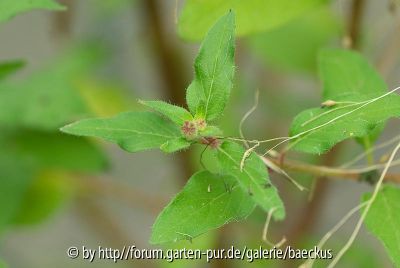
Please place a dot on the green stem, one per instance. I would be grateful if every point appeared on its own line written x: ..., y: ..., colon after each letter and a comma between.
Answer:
x: 368, y: 151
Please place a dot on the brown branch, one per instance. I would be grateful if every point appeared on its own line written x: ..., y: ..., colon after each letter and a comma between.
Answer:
x: 324, y: 171
x: 354, y: 24
x: 171, y: 64
x: 62, y: 21
x: 171, y: 67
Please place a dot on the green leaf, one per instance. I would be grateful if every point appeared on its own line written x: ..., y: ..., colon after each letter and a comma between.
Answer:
x: 214, y: 66
x: 132, y: 131
x: 252, y: 15
x: 311, y: 32
x: 9, y: 67
x: 3, y: 264
x: 175, y: 113
x: 208, y: 201
x: 383, y: 220
x: 347, y: 77
x: 10, y: 8
x: 253, y: 178
x: 174, y: 145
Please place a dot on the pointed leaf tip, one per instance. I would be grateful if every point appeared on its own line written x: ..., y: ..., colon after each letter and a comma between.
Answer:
x: 214, y: 66
x: 133, y: 131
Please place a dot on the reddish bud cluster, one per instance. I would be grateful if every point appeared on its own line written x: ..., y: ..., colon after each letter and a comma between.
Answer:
x: 210, y: 141
x: 189, y: 129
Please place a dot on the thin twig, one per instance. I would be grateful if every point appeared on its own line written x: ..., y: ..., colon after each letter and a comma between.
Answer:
x: 373, y: 167
x: 247, y: 114
x: 278, y: 170
x: 250, y: 141
x: 265, y: 231
x: 309, y: 263
x: 330, y: 111
x: 246, y: 155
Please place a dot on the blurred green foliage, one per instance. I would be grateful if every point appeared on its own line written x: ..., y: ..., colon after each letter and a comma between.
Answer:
x: 9, y: 67
x: 41, y: 163
x: 45, y: 194
x: 252, y: 15
x: 294, y: 46
x: 59, y: 153
x: 53, y: 99
x: 16, y: 176
x: 104, y: 98
x: 10, y: 8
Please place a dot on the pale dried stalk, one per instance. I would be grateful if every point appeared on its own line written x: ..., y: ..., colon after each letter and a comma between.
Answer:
x: 365, y: 212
